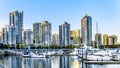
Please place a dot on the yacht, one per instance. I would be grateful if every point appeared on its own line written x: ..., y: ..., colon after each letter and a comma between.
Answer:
x: 26, y: 54
x: 115, y: 57
x: 38, y: 55
x: 100, y: 55
x: 97, y: 58
x: 74, y: 52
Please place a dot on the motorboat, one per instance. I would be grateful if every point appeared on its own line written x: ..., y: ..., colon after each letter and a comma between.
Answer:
x: 26, y: 54
x: 115, y: 57
x: 39, y: 55
x: 97, y: 58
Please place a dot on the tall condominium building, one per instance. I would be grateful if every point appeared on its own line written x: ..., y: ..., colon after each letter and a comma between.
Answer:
x: 42, y: 33
x: 46, y: 33
x: 16, y: 19
x: 27, y: 37
x: 0, y: 37
x: 36, y: 33
x: 55, y: 39
x: 112, y: 40
x: 75, y: 37
x: 12, y: 35
x: 86, y: 29
x: 115, y: 41
x: 105, y: 39
x: 98, y: 39
x: 64, y: 34
x: 6, y: 34
x: 3, y: 35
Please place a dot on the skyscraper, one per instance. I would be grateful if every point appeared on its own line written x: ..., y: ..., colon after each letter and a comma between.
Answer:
x: 105, y: 39
x: 42, y: 33
x: 55, y: 39
x: 6, y: 34
x: 64, y: 34
x: 115, y: 39
x: 12, y: 35
x: 98, y: 39
x: 27, y: 36
x: 46, y: 33
x: 75, y: 36
x: 36, y: 33
x: 16, y: 19
x: 0, y: 37
x: 112, y: 40
x: 86, y: 29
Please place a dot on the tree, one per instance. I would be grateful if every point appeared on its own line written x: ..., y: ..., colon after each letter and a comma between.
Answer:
x: 18, y: 46
x: 54, y: 46
x: 21, y: 46
x: 101, y: 46
x: 8, y: 45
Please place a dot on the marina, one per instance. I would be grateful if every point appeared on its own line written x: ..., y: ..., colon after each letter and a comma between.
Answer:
x: 57, y: 59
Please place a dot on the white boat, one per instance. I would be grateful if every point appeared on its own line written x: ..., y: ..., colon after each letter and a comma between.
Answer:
x: 39, y: 55
x: 74, y: 52
x: 26, y: 54
x: 104, y: 53
x: 97, y: 58
x: 92, y: 58
x: 115, y: 57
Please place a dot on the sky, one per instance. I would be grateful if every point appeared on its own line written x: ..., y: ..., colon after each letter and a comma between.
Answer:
x: 105, y: 12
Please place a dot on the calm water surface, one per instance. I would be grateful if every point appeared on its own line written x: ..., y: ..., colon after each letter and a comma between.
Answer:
x: 52, y: 62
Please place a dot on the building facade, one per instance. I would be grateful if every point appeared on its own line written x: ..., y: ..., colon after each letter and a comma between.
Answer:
x: 64, y: 34
x: 55, y: 39
x: 115, y: 39
x: 98, y: 39
x: 75, y: 37
x: 36, y: 33
x: 46, y: 33
x: 27, y: 36
x: 112, y: 40
x: 42, y: 33
x: 6, y: 34
x: 86, y: 29
x: 12, y: 35
x: 16, y: 20
x: 105, y: 39
x: 0, y: 37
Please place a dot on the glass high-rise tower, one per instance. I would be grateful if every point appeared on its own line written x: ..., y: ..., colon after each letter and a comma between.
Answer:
x: 16, y: 20
x: 86, y: 30
x: 42, y: 33
x: 27, y: 37
x: 36, y: 33
x: 46, y: 30
x: 64, y: 34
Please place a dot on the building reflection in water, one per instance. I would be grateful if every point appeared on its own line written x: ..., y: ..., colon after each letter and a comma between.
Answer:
x: 51, y: 62
x: 26, y: 63
x: 54, y: 62
x: 74, y: 64
x: 64, y: 62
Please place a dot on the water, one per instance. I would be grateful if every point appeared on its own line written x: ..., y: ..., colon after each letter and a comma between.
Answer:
x: 52, y: 62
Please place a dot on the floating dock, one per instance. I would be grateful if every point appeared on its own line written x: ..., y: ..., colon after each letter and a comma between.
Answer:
x: 102, y: 62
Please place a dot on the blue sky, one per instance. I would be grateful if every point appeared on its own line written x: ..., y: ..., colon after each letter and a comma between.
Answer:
x: 105, y: 12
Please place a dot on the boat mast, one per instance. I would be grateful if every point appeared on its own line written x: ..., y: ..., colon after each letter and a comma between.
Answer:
x: 97, y: 34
